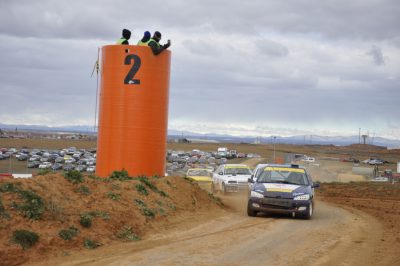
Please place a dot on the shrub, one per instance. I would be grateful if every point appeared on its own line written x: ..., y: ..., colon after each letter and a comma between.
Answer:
x: 68, y: 234
x: 140, y: 202
x: 162, y: 193
x: 147, y: 182
x: 141, y: 189
x: 33, y: 206
x: 90, y: 244
x: 148, y: 212
x: 120, y: 175
x: 171, y: 206
x: 25, y: 238
x: 113, y: 196
x: 8, y: 187
x: 3, y: 213
x: 84, y: 190
x: 86, y: 220
x: 43, y: 171
x: 74, y: 176
x: 145, y: 211
x: 126, y: 233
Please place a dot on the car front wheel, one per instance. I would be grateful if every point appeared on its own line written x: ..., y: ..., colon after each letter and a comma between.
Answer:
x: 310, y: 211
x: 250, y: 211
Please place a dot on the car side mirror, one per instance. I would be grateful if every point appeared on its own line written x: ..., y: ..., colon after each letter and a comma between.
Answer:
x: 316, y: 185
x: 250, y: 180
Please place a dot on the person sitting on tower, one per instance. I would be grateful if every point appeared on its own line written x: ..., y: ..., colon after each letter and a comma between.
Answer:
x: 126, y: 35
x: 145, y: 40
x: 154, y: 44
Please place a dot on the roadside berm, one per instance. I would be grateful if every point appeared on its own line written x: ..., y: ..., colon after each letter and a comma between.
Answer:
x: 56, y: 214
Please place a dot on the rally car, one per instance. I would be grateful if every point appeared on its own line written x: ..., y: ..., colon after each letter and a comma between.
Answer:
x: 282, y: 189
x: 231, y: 178
x: 201, y: 176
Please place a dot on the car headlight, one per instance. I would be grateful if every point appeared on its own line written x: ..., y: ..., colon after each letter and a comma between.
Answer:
x: 254, y: 194
x: 302, y: 197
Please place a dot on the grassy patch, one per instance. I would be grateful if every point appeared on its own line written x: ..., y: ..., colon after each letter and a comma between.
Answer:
x: 43, y: 171
x: 150, y: 185
x: 144, y: 209
x: 68, y: 234
x: 120, y: 175
x: 171, y: 206
x: 33, y: 205
x: 56, y: 212
x: 86, y: 220
x: 90, y: 244
x: 142, y: 189
x: 3, y: 213
x: 25, y: 238
x: 113, y: 196
x: 8, y: 187
x: 84, y: 190
x: 126, y: 233
x: 74, y: 176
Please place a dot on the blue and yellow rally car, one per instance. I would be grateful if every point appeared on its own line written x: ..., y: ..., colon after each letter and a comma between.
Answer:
x: 281, y: 188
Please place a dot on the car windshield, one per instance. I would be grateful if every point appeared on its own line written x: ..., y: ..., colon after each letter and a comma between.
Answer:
x: 282, y: 175
x: 237, y: 171
x: 198, y: 172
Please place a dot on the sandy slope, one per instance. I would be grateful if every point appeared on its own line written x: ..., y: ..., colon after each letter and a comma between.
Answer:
x: 334, y: 237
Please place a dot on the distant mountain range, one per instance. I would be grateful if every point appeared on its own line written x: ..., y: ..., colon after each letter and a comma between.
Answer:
x: 172, y: 133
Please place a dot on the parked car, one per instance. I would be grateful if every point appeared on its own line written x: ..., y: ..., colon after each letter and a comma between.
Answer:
x: 231, y: 178
x: 282, y: 189
x: 80, y: 168
x: 376, y: 162
x: 91, y: 169
x: 22, y: 157
x: 45, y: 165
x: 34, y: 158
x: 308, y: 159
x: 33, y: 164
x: 59, y: 160
x: 69, y: 167
x: 56, y: 166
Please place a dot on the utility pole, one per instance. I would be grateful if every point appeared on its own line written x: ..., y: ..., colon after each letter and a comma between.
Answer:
x: 274, y: 147
x: 359, y: 135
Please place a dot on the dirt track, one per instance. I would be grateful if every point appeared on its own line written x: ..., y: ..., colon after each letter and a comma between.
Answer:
x: 333, y: 237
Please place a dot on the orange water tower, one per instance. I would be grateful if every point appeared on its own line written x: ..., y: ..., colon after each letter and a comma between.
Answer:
x: 133, y: 111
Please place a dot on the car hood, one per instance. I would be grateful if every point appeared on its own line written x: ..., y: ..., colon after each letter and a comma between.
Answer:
x: 278, y: 190
x: 200, y: 178
x: 238, y: 178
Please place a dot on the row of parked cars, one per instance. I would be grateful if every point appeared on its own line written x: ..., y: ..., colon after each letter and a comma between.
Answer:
x: 64, y: 159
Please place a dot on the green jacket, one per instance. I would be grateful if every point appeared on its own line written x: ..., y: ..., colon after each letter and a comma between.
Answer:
x: 122, y: 41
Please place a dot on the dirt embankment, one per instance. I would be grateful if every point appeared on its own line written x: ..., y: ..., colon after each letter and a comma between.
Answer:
x: 118, y: 210
x: 380, y: 200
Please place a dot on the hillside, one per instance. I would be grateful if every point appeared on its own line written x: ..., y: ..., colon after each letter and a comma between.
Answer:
x: 118, y: 210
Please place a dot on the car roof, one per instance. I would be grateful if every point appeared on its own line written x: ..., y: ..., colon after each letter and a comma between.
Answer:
x: 284, y: 166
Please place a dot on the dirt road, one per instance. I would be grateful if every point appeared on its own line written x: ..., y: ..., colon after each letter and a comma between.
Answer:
x: 333, y: 237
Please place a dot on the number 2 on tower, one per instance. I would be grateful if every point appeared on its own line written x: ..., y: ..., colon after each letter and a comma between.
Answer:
x: 129, y: 78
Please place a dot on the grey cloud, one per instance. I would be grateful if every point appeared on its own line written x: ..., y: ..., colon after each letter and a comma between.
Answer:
x: 287, y: 64
x: 271, y: 48
x: 377, y: 55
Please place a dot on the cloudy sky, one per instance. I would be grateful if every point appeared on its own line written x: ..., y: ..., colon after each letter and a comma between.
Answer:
x: 257, y: 67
